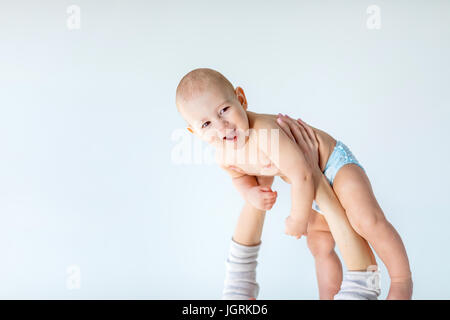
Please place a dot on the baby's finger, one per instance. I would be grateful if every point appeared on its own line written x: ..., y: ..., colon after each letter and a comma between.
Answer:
x: 268, y: 206
x: 269, y: 203
x: 270, y: 200
x: 268, y: 195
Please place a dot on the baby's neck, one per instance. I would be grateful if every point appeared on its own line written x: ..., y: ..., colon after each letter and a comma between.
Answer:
x: 251, y: 116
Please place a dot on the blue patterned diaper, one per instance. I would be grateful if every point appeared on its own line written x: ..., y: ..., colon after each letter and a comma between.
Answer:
x: 340, y: 156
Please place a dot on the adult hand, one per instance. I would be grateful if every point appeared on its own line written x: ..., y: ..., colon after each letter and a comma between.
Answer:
x: 305, y: 137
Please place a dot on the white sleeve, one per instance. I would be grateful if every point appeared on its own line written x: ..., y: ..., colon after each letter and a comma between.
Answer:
x: 240, y: 279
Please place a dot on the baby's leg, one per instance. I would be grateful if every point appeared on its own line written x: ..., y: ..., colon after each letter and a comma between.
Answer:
x: 328, y: 266
x: 365, y: 215
x: 359, y: 281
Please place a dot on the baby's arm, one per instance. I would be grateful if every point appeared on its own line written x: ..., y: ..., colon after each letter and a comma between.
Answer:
x: 290, y: 160
x: 252, y: 190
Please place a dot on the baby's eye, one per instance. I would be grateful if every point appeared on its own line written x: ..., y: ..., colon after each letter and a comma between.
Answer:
x: 205, y: 124
x: 223, y: 110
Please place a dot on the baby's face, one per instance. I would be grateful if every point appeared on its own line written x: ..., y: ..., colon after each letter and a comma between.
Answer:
x: 218, y: 117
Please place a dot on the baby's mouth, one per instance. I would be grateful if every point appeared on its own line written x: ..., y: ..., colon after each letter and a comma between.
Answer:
x: 232, y: 137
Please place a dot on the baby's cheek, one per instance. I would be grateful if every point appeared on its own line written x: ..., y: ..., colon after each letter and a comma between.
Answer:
x: 209, y: 137
x: 212, y: 141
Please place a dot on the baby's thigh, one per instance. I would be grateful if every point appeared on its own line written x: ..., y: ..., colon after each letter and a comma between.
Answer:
x: 354, y: 191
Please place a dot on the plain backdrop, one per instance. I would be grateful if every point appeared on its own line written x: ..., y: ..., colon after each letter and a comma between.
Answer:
x: 87, y: 116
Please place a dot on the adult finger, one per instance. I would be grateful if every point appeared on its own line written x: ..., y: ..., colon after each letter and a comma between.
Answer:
x: 298, y: 131
x: 286, y: 128
x: 307, y: 135
x: 311, y: 133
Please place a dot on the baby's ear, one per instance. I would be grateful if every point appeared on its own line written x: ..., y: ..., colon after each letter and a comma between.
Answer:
x: 241, y: 97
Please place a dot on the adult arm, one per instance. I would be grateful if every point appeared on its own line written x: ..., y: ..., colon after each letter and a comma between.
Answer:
x: 355, y: 251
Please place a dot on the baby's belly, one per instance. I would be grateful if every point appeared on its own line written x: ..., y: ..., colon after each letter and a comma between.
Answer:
x: 266, y: 169
x: 260, y: 166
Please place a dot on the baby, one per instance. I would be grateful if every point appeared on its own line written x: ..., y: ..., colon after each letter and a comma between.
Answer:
x: 250, y: 146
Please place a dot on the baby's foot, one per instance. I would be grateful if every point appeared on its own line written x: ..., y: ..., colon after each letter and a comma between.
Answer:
x: 401, y: 290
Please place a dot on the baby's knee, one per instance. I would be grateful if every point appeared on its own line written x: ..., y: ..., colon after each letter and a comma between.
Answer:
x: 366, y: 222
x: 320, y: 243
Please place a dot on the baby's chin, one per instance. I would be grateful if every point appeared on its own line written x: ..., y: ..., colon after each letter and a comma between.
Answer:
x: 242, y: 137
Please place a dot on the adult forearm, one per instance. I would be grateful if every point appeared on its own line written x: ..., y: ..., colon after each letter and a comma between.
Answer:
x: 240, y: 277
x: 249, y: 227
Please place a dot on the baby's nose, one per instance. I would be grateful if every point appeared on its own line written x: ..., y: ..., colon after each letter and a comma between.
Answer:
x: 224, y: 129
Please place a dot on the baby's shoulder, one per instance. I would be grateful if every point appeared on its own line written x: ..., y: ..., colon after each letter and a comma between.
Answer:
x: 261, y: 125
x: 262, y: 121
x: 264, y: 129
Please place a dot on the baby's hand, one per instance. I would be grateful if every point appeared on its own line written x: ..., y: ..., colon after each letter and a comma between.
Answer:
x: 262, y: 198
x: 296, y: 227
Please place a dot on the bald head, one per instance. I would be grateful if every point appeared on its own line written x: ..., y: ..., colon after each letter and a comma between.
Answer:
x: 212, y: 107
x: 199, y: 80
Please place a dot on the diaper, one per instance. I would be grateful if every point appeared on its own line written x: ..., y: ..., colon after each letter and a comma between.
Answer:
x: 340, y: 156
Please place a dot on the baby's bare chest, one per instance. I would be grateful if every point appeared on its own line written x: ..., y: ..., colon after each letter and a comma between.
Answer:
x: 251, y: 160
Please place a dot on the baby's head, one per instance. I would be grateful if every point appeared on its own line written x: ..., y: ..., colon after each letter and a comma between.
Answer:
x: 213, y: 109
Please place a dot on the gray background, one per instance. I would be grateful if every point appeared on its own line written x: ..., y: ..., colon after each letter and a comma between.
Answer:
x: 87, y: 116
